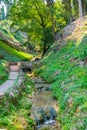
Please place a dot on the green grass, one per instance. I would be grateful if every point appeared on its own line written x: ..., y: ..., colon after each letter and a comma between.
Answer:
x: 11, y: 51
x: 15, y: 112
x: 68, y: 80
x: 6, y: 49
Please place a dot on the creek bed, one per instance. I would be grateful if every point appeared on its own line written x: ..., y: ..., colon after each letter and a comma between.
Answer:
x: 44, y: 106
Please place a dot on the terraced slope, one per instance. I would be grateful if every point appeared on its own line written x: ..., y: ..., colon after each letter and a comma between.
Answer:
x: 65, y: 67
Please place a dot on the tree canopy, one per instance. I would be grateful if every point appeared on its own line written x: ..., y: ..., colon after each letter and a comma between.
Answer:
x: 41, y: 20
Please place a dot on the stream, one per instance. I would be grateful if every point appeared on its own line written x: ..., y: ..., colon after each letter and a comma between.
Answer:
x: 44, y: 107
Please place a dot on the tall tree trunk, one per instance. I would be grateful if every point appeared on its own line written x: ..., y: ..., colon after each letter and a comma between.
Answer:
x: 51, y: 3
x: 80, y: 8
x: 53, y: 20
x: 44, y: 48
x: 70, y: 9
x: 44, y: 41
x: 27, y: 44
x: 84, y: 7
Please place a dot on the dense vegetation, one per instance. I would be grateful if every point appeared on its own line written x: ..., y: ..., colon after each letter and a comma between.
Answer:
x: 3, y: 71
x: 15, y: 112
x: 30, y: 28
x: 19, y: 54
x: 66, y: 70
x: 44, y: 23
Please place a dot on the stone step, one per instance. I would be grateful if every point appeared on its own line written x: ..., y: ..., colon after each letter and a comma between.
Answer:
x: 13, y: 75
x: 5, y: 86
x: 39, y: 86
x: 38, y: 80
x: 14, y: 68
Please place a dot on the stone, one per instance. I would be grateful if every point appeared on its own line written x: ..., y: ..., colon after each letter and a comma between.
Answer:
x: 1, y: 95
x: 39, y: 119
x: 70, y: 101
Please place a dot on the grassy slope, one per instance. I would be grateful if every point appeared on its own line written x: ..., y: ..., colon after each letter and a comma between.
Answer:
x: 11, y: 51
x: 6, y: 49
x: 66, y: 72
x: 7, y: 31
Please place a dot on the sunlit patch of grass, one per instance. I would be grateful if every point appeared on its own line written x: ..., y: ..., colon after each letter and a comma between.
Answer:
x: 19, y: 54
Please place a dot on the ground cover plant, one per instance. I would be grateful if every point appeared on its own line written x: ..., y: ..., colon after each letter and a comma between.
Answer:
x: 66, y: 70
x: 15, y: 112
x: 3, y: 71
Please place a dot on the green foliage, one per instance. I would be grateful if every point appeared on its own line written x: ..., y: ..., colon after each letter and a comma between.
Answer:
x: 68, y: 78
x: 5, y: 30
x: 83, y: 47
x: 3, y: 71
x: 19, y: 37
x: 17, y: 116
x: 41, y: 23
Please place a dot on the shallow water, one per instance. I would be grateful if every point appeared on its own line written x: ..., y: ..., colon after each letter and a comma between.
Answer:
x: 44, y: 107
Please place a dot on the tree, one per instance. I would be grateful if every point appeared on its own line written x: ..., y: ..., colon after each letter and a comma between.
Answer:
x: 39, y: 17
x: 5, y: 6
x: 36, y: 18
x: 80, y: 8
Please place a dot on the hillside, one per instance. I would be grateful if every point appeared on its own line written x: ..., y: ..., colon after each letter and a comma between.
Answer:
x: 10, y: 47
x: 65, y: 68
x: 7, y: 36
x: 43, y: 64
x: 8, y: 52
